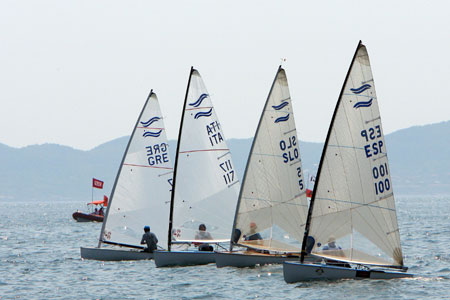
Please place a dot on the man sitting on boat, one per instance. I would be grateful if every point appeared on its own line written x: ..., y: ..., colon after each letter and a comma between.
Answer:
x: 331, y: 245
x: 253, y: 235
x: 332, y: 248
x: 150, y: 239
x: 202, y: 234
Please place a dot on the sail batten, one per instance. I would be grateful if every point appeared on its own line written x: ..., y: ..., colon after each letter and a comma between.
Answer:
x: 353, y: 204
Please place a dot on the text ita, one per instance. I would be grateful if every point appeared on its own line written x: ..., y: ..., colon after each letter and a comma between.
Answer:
x: 214, y: 134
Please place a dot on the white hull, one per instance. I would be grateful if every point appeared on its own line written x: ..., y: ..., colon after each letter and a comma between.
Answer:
x: 295, y: 272
x: 104, y: 254
x: 182, y: 258
x: 242, y: 260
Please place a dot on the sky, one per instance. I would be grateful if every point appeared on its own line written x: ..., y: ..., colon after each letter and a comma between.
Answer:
x: 77, y: 73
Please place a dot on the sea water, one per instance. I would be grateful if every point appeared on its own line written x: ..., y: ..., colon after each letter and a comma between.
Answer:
x: 40, y: 259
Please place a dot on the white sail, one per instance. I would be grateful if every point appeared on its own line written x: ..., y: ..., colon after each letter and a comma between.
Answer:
x: 206, y: 187
x: 353, y: 200
x: 273, y: 200
x: 142, y: 191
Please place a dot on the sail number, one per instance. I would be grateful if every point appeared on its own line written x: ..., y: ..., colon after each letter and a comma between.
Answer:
x: 290, y: 149
x: 374, y: 147
x: 157, y: 154
x: 300, y: 179
x: 381, y: 184
x: 227, y: 168
x: 214, y: 134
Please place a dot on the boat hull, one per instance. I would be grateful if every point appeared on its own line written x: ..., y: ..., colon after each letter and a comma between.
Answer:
x: 82, y: 217
x: 104, y: 254
x: 295, y: 272
x: 243, y: 260
x: 182, y: 258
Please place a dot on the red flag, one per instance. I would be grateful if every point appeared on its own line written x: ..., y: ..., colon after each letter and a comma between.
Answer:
x: 308, y: 193
x: 105, y: 200
x: 97, y: 183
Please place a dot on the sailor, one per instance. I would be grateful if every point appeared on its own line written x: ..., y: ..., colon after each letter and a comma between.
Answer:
x: 337, y: 251
x: 331, y: 244
x: 253, y: 235
x: 150, y: 239
x: 202, y: 234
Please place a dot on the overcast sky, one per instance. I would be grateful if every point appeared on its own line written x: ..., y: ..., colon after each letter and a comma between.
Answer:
x: 78, y: 72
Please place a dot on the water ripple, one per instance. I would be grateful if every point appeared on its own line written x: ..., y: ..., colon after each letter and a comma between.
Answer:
x: 41, y: 259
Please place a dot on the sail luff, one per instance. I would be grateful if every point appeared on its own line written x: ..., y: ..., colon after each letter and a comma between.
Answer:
x: 248, y: 160
x: 313, y: 197
x: 172, y: 198
x: 111, y: 198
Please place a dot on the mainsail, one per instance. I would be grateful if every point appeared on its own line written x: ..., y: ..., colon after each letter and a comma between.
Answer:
x: 353, y: 205
x: 206, y: 186
x: 142, y: 190
x: 273, y: 200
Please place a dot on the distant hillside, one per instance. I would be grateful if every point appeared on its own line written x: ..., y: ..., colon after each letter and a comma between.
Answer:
x: 420, y: 164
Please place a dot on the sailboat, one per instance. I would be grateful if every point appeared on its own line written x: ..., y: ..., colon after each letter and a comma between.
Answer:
x: 141, y: 192
x: 352, y: 221
x: 205, y: 186
x: 272, y: 207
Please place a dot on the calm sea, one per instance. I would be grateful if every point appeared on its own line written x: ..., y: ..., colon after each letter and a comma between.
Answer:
x: 40, y: 259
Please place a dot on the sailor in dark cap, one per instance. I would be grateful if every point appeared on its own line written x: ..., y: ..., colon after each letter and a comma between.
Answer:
x: 150, y: 239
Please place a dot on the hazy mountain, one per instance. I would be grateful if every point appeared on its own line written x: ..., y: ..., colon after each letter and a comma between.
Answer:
x: 419, y: 159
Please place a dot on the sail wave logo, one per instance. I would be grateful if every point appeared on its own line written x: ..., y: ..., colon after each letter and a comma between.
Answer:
x: 278, y: 107
x: 151, y: 121
x: 203, y: 114
x: 152, y: 134
x: 199, y: 100
x: 282, y: 119
x: 363, y: 103
x: 361, y: 89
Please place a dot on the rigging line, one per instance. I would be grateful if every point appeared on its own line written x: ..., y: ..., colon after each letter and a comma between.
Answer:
x: 296, y: 162
x: 360, y: 95
x: 373, y: 120
x: 205, y: 150
x: 357, y: 203
x: 380, y: 157
x: 195, y: 108
x: 369, y: 80
x: 267, y: 154
x: 223, y: 155
x: 345, y: 147
x: 292, y: 130
x: 277, y: 111
x: 143, y: 166
x: 141, y: 127
x: 230, y: 185
x: 164, y: 174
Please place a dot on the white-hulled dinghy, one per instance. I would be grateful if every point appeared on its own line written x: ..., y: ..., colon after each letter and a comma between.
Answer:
x: 352, y: 220
x: 205, y: 187
x: 272, y: 208
x: 141, y: 192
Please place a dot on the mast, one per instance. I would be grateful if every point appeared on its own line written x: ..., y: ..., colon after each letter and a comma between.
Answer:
x: 111, y: 198
x: 172, y: 198
x: 248, y: 160
x: 316, y: 183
